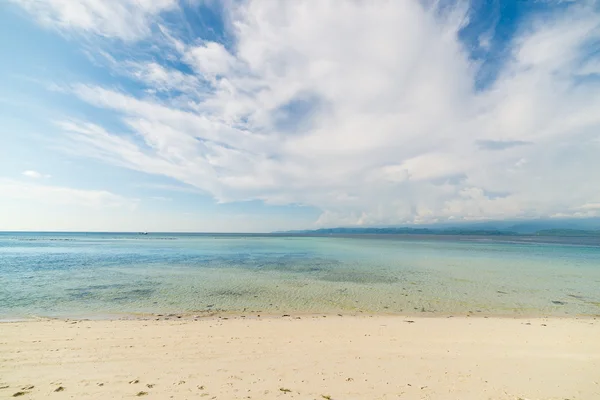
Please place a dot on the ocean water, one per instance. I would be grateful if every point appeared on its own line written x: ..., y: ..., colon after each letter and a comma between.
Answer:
x: 104, y: 274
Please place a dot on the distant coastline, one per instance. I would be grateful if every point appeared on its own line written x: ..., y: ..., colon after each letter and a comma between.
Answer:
x: 552, y: 227
x: 445, y: 232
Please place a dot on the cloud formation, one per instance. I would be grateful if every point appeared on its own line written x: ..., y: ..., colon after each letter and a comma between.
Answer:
x: 57, y: 195
x: 500, y: 144
x: 368, y: 111
x: 123, y: 19
x: 34, y: 174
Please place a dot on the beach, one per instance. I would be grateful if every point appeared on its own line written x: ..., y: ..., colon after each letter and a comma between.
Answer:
x: 302, y: 357
x: 311, y: 200
x: 182, y: 316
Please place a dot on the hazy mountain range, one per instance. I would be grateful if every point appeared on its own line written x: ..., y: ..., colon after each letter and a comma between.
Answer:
x: 539, y: 227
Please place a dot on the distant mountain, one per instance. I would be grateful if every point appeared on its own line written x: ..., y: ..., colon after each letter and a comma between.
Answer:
x: 568, y: 232
x: 405, y: 231
x: 523, y: 226
x: 541, y: 227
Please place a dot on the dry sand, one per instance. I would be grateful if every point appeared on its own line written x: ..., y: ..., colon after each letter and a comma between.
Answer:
x: 313, y: 357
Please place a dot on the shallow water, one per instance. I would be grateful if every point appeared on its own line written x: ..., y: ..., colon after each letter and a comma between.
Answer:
x: 70, y: 275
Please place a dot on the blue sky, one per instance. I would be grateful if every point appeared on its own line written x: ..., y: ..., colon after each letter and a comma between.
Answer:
x: 198, y: 115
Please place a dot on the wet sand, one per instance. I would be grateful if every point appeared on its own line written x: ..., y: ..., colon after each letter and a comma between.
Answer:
x: 308, y: 357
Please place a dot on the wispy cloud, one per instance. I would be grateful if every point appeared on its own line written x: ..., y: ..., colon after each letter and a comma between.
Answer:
x: 384, y: 93
x: 34, y: 174
x: 590, y: 206
x: 500, y: 144
x: 169, y: 188
x: 47, y: 194
x: 123, y: 19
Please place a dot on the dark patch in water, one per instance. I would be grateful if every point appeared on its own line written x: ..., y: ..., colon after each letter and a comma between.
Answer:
x: 300, y: 266
x: 560, y: 303
x: 133, y: 294
x: 79, y: 293
x: 91, y: 288
x: 108, y: 286
x: 140, y: 292
x: 97, y: 290
x: 575, y: 296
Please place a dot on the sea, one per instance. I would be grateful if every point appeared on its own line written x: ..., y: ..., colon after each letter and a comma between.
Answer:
x: 108, y: 275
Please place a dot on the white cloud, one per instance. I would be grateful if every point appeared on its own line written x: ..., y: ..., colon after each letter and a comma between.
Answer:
x: 210, y: 59
x: 590, y: 206
x: 157, y: 77
x: 485, y: 40
x: 367, y: 111
x: 58, y: 195
x: 124, y: 19
x: 34, y: 174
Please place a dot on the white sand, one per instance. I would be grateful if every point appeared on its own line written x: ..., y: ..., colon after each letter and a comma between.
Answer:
x: 342, y: 357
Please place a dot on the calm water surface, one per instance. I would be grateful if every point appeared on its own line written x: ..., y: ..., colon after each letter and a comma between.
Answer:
x: 71, y: 275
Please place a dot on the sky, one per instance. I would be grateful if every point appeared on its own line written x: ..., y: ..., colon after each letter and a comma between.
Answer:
x: 255, y: 116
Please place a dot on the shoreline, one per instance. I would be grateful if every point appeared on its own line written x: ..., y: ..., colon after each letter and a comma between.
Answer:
x: 199, y: 316
x: 348, y: 357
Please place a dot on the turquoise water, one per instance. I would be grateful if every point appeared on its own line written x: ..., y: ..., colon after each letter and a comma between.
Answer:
x: 74, y: 275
